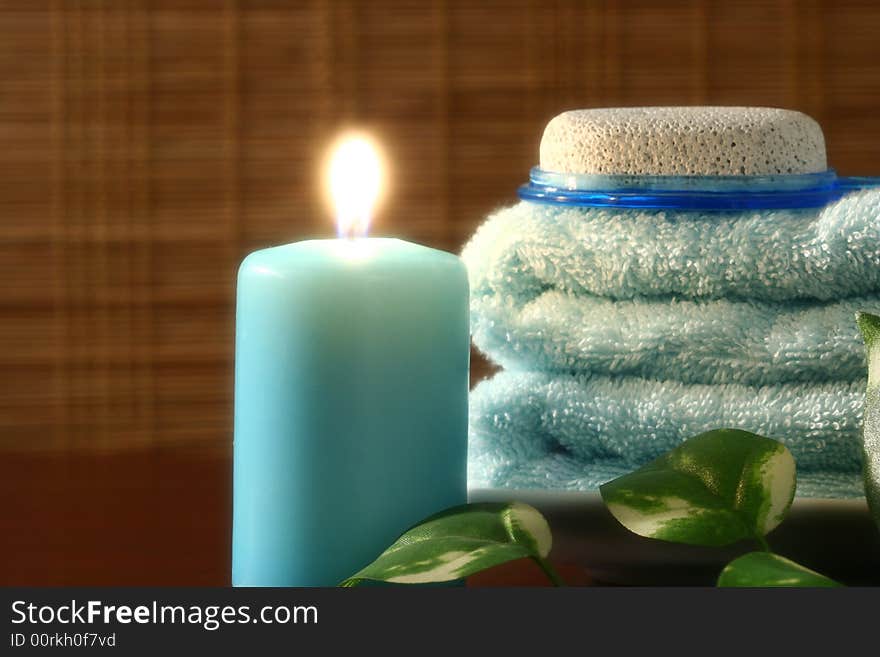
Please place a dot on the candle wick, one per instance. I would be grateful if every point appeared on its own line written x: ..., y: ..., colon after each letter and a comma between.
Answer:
x: 352, y: 227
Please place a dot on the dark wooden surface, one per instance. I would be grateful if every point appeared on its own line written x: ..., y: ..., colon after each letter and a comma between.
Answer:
x: 138, y: 518
x: 157, y: 517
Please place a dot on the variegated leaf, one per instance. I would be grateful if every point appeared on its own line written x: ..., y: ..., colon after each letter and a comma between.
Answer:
x: 714, y: 489
x: 460, y: 542
x: 765, y: 569
x: 870, y: 328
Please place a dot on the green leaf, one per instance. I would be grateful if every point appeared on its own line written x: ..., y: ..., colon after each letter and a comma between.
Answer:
x: 870, y: 328
x: 714, y: 489
x: 768, y: 569
x: 459, y: 542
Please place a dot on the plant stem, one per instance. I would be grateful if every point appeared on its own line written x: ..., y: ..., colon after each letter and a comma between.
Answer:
x: 763, y: 542
x: 551, y: 573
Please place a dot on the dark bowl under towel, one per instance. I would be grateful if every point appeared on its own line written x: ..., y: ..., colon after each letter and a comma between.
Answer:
x: 835, y: 537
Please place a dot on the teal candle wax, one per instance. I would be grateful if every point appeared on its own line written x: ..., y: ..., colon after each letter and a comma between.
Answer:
x: 351, y: 383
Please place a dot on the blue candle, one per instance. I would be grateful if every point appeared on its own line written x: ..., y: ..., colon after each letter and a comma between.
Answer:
x: 351, y: 382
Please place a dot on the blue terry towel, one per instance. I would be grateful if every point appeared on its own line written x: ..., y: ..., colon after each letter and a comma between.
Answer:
x: 770, y: 255
x: 627, y: 331
x: 558, y: 431
x: 693, y: 341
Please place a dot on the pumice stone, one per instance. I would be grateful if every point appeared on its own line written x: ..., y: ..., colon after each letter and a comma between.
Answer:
x: 683, y: 141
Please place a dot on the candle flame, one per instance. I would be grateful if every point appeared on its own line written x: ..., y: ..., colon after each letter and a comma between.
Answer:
x: 354, y: 179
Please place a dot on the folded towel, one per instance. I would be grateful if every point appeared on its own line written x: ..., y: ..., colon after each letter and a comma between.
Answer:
x: 770, y: 255
x: 624, y: 332
x: 704, y: 341
x: 576, y: 432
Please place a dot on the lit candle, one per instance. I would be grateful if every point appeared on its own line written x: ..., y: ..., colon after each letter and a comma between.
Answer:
x: 351, y: 381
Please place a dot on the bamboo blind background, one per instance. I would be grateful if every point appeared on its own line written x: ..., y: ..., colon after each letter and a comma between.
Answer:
x: 146, y: 146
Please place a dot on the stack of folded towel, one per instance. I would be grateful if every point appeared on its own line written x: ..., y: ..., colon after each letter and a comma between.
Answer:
x: 622, y: 332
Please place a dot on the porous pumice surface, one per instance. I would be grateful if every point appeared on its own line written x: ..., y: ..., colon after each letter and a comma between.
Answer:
x: 683, y: 141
